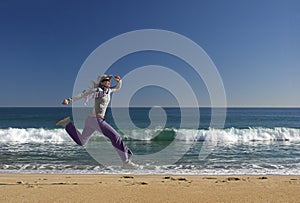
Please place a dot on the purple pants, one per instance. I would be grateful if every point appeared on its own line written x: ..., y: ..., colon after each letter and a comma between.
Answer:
x: 91, y: 125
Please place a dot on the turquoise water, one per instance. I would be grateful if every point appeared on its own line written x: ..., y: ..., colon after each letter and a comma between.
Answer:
x: 253, y: 141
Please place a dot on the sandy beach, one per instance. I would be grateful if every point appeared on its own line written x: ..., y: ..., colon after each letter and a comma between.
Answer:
x: 147, y: 188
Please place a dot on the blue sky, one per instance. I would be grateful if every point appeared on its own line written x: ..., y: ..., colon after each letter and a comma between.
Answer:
x: 255, y: 46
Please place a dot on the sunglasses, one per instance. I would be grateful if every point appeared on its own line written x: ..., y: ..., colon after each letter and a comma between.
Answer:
x: 106, y: 80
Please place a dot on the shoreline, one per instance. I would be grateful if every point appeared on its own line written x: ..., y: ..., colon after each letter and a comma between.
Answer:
x: 148, y: 188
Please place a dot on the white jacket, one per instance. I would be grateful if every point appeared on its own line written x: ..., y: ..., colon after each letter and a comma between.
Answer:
x: 102, y: 99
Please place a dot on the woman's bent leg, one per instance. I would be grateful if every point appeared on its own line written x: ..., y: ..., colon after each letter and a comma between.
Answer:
x: 81, y: 139
x: 74, y: 133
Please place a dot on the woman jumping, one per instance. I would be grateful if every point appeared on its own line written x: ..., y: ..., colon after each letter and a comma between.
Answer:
x: 96, y: 121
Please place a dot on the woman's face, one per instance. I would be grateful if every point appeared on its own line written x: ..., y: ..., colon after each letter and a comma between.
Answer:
x: 106, y: 83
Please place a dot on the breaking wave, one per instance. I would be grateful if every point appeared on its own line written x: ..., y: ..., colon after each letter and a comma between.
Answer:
x: 41, y: 135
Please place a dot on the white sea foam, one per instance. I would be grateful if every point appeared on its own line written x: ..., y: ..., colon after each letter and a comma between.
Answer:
x: 33, y: 135
x: 248, y: 135
x: 41, y: 135
x: 145, y: 169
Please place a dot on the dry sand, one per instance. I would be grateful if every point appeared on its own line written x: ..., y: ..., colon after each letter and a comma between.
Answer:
x: 147, y: 188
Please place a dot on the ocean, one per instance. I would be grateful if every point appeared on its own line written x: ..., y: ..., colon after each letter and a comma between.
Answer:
x: 252, y: 141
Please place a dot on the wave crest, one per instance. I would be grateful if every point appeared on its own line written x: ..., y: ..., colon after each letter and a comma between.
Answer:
x: 41, y: 135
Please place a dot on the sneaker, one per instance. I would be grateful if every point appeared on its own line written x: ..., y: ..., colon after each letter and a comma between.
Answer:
x: 130, y: 165
x: 64, y: 122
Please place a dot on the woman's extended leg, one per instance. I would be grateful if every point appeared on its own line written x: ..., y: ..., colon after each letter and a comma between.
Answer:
x: 116, y: 140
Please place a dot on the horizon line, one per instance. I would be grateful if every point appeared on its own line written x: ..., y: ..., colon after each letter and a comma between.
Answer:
x: 153, y: 107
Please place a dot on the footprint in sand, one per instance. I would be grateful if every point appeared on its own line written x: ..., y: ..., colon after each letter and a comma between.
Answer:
x: 233, y: 179
x: 180, y: 179
x: 134, y: 182
x: 262, y: 178
x: 140, y: 183
x: 229, y: 179
x: 128, y: 177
